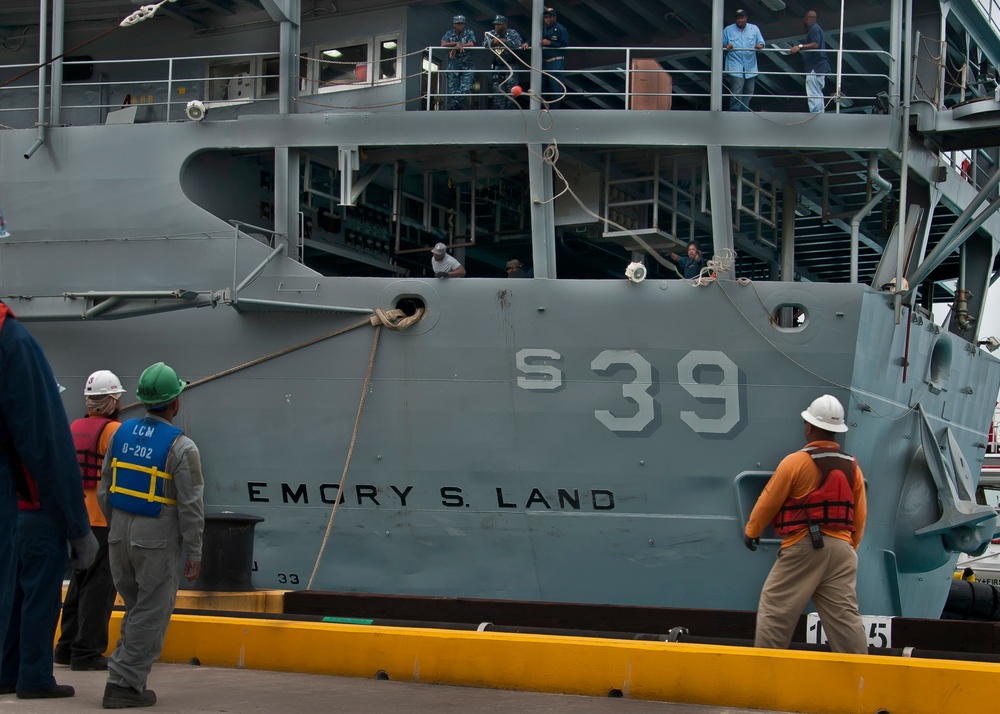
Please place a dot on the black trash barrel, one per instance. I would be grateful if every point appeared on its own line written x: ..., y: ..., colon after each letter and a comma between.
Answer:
x: 227, y: 553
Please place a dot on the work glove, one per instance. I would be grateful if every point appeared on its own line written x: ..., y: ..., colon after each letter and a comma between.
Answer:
x: 750, y: 543
x: 83, y: 552
x: 440, y: 276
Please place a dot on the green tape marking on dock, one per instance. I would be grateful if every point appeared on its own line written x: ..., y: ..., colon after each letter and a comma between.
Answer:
x: 348, y: 620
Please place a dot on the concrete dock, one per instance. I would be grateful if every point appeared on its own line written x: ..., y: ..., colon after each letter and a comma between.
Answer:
x: 184, y: 689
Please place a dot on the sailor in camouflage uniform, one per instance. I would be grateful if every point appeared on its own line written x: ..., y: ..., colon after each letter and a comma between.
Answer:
x: 502, y: 40
x: 460, y: 62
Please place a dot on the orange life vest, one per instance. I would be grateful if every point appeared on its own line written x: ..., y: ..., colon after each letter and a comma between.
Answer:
x: 831, y: 503
x: 86, y: 435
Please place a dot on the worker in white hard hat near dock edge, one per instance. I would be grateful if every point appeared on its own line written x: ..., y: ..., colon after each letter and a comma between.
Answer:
x: 83, y: 633
x: 816, y: 501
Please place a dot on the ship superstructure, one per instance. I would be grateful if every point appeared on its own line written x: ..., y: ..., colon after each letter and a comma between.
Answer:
x: 248, y: 190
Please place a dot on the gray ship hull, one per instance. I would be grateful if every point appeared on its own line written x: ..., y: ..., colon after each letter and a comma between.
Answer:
x: 580, y: 441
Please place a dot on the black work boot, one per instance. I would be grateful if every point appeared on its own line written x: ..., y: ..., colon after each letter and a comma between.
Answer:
x: 118, y: 696
x: 57, y: 692
x: 89, y: 664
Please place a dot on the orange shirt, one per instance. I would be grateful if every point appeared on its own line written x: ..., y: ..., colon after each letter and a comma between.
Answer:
x: 795, y: 477
x: 97, y: 519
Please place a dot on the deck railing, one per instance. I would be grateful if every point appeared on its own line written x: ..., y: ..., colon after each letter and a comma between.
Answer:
x: 614, y: 78
x: 159, y: 89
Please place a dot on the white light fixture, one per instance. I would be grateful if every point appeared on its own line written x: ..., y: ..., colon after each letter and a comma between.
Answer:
x: 333, y: 53
x: 429, y: 66
x: 635, y: 272
x: 389, y: 45
x: 775, y: 5
x: 195, y: 110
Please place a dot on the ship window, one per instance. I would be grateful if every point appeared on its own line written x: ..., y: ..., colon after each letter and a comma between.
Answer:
x: 270, y: 68
x: 790, y: 317
x: 231, y: 81
x: 388, y: 57
x: 358, y: 63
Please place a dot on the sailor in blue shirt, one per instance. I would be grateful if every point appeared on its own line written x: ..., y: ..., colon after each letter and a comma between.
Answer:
x: 814, y: 62
x: 555, y: 39
x: 460, y: 63
x: 503, y: 40
x: 741, y: 40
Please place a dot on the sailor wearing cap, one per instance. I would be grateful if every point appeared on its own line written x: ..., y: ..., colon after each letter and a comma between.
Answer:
x: 741, y: 40
x: 555, y: 39
x: 460, y: 64
x: 502, y: 40
x: 444, y: 265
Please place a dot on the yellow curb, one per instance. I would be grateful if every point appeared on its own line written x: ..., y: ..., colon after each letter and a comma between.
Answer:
x: 808, y: 682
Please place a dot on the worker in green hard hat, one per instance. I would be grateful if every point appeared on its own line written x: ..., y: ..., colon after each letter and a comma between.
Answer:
x: 152, y: 493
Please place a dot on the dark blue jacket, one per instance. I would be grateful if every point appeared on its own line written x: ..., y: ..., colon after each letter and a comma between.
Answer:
x: 558, y: 39
x: 34, y: 430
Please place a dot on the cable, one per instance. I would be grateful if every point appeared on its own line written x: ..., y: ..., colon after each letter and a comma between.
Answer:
x: 20, y: 43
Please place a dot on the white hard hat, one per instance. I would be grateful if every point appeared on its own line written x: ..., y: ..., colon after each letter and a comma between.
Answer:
x: 826, y: 413
x: 103, y: 382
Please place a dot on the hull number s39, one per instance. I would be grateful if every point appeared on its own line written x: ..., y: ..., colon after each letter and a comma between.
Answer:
x: 709, y: 376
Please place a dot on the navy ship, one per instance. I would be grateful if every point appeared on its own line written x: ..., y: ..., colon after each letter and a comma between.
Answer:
x: 251, y: 190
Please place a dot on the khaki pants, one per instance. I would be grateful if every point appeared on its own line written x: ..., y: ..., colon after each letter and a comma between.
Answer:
x: 829, y: 576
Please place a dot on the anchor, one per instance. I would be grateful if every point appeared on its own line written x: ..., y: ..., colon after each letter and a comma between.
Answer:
x: 964, y: 525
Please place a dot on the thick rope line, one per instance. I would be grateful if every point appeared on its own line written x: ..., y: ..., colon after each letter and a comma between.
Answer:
x: 347, y: 461
x: 266, y: 358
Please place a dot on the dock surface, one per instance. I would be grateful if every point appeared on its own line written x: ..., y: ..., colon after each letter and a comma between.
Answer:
x: 183, y: 689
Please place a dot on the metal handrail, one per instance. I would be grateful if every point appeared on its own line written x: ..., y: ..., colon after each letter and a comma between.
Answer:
x: 178, y: 75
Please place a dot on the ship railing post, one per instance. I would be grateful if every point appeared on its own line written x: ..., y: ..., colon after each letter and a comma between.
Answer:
x: 840, y: 55
x: 58, y: 37
x: 718, y: 13
x: 170, y: 84
x: 895, y: 50
x: 236, y: 258
x: 43, y: 49
x: 537, y: 6
x: 628, y: 78
x: 430, y: 75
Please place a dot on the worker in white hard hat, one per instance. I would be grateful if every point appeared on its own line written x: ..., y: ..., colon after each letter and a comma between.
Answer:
x: 816, y: 502
x: 83, y: 637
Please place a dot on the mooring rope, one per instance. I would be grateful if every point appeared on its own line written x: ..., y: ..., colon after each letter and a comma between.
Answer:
x: 394, y: 320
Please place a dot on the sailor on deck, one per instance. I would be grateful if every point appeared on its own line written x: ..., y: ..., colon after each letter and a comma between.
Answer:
x: 151, y: 492
x: 445, y: 265
x: 816, y: 500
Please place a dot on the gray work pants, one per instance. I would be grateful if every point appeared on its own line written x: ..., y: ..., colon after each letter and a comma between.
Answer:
x: 145, y: 563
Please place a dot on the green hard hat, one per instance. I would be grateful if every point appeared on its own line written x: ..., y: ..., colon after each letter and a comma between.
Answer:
x: 159, y: 383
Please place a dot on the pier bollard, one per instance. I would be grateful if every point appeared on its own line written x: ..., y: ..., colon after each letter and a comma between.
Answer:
x: 227, y: 553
